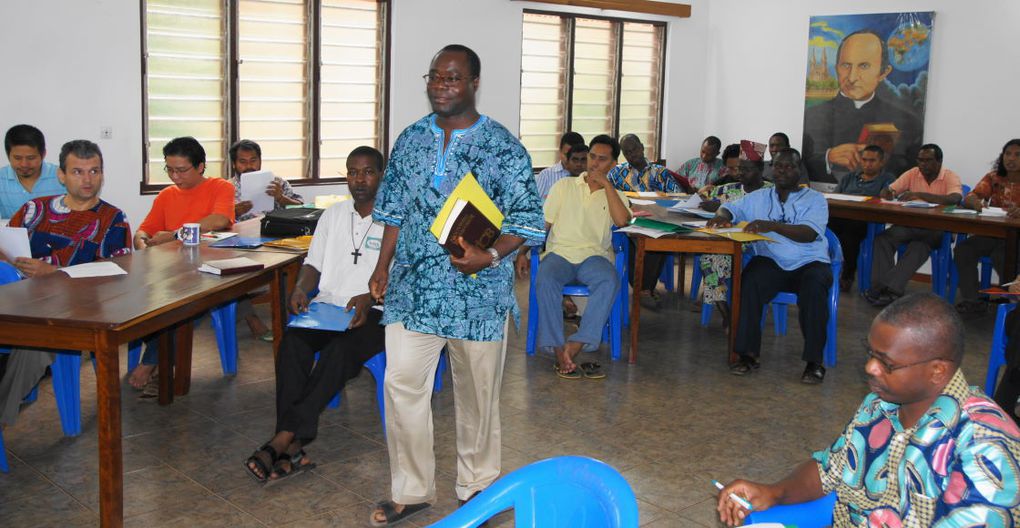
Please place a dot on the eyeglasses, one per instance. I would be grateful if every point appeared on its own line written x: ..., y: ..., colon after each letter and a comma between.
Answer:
x: 888, y: 367
x: 177, y: 170
x: 434, y: 78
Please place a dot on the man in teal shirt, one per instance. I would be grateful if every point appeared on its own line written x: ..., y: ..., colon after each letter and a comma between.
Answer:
x: 27, y: 176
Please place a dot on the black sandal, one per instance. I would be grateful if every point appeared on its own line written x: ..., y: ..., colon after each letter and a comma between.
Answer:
x: 392, y: 516
x: 296, y: 467
x: 260, y: 465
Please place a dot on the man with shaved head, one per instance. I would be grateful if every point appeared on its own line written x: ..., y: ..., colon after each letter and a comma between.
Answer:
x: 924, y: 449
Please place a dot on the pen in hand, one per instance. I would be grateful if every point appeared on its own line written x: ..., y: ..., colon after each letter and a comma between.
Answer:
x: 739, y: 500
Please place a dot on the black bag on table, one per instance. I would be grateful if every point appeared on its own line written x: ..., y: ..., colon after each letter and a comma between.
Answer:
x: 290, y: 222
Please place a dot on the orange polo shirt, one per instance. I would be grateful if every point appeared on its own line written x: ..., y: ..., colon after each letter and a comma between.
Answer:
x: 947, y: 182
x: 175, y: 207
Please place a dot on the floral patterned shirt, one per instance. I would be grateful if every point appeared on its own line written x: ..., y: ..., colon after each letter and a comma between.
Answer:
x: 654, y: 177
x: 732, y: 191
x: 957, y: 467
x: 700, y: 173
x: 998, y: 190
x: 425, y: 292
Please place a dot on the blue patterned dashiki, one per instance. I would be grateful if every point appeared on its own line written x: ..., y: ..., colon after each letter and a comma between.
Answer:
x: 957, y: 467
x: 425, y: 292
x: 626, y: 177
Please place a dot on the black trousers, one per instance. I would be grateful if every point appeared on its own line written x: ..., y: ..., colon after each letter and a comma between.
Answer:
x: 651, y: 270
x: 850, y: 233
x: 304, y: 387
x: 1008, y: 389
x: 761, y: 280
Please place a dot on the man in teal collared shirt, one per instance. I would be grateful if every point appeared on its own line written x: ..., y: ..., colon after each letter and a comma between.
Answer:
x: 27, y: 176
x: 797, y: 260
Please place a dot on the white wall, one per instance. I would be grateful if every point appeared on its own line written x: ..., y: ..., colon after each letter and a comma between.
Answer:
x: 758, y: 64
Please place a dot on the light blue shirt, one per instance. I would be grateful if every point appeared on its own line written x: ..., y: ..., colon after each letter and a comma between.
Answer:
x: 13, y: 195
x: 548, y: 177
x: 803, y: 207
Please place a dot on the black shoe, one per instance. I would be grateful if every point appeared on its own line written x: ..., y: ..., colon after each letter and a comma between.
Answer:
x: 813, y: 374
x: 879, y: 297
x: 744, y: 366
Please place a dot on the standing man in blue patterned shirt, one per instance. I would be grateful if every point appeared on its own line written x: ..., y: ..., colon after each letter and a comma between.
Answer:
x: 434, y: 300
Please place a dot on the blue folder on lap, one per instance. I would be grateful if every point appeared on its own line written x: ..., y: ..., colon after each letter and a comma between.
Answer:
x: 323, y: 316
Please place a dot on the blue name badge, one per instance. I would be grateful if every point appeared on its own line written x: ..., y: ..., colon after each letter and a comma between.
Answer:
x: 323, y: 316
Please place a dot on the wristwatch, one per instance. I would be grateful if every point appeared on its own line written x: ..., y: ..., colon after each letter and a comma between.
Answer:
x: 495, y: 257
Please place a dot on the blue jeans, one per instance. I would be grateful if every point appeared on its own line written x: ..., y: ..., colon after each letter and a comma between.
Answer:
x: 555, y: 272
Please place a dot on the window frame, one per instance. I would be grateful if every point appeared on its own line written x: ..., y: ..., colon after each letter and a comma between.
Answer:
x: 569, y: 85
x: 231, y: 91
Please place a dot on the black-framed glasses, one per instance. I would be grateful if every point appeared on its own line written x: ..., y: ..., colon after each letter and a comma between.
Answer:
x: 177, y: 170
x: 888, y: 367
x: 445, y: 80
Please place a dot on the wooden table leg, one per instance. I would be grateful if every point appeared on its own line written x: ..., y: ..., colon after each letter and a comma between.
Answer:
x: 736, y: 269
x: 111, y: 463
x: 635, y: 301
x: 183, y: 338
x: 1009, y: 269
x: 166, y: 370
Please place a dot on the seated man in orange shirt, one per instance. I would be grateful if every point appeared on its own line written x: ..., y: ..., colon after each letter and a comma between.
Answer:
x: 193, y: 198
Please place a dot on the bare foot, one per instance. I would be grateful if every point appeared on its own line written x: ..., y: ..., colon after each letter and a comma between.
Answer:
x: 140, y: 375
x: 563, y: 360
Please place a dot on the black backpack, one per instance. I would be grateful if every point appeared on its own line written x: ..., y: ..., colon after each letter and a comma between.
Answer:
x: 290, y: 222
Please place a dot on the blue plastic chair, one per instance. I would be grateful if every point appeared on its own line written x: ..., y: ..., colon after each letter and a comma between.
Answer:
x: 569, y: 491
x: 813, y: 514
x: 783, y: 299
x: 66, y: 369
x: 997, y: 355
x: 954, y: 275
x: 613, y: 330
x: 941, y: 261
x: 4, y: 468
x: 224, y: 323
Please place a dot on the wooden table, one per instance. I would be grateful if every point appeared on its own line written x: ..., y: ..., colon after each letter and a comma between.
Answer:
x: 934, y: 218
x: 685, y: 243
x: 162, y: 290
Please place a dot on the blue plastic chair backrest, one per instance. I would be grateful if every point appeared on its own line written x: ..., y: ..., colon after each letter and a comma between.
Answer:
x: 569, y: 491
x: 8, y: 273
x: 835, y: 248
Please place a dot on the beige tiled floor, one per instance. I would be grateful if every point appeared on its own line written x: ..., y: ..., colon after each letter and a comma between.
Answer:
x: 670, y: 424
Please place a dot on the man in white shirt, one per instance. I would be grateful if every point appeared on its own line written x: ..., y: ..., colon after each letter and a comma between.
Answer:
x: 560, y: 170
x: 342, y: 256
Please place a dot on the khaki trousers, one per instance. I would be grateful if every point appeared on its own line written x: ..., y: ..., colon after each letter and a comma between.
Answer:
x: 477, y: 368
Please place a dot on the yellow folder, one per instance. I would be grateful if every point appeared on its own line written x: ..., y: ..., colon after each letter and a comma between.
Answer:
x: 469, y: 190
x: 738, y: 236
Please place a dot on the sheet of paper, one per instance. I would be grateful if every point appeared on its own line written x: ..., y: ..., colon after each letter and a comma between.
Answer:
x: 847, y: 197
x: 960, y: 210
x: 253, y: 189
x: 218, y: 235
x: 919, y: 204
x: 653, y: 233
x: 700, y: 213
x: 697, y: 224
x: 645, y: 194
x: 691, y: 203
x: 94, y: 269
x: 14, y: 242
x: 992, y: 211
x: 638, y: 201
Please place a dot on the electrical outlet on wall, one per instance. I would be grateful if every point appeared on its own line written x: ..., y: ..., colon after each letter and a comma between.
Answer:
x: 106, y: 132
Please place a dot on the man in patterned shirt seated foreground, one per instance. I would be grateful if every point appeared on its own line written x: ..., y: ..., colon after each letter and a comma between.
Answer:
x: 924, y: 448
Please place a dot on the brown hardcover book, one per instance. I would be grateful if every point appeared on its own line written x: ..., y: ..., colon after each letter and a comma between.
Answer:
x: 230, y: 266
x: 467, y: 222
x: 884, y: 135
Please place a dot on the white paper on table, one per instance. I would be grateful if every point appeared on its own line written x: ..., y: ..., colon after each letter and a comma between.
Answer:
x: 920, y: 204
x: 729, y: 230
x: 649, y: 232
x: 960, y: 210
x: 846, y: 197
x: 638, y: 201
x: 690, y: 203
x: 647, y: 194
x: 992, y: 211
x: 94, y: 269
x: 253, y: 189
x: 14, y: 242
x: 697, y: 224
x: 700, y: 213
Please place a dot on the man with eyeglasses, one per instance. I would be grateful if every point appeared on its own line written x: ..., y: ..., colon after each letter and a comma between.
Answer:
x: 64, y: 230
x: 27, y: 176
x: 923, y: 449
x: 436, y: 300
x: 928, y: 182
x: 192, y: 198
x: 796, y: 260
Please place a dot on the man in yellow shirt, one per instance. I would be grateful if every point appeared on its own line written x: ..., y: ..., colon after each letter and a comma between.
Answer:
x: 579, y: 213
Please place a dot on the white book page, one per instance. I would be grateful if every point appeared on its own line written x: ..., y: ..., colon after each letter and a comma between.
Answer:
x: 253, y: 189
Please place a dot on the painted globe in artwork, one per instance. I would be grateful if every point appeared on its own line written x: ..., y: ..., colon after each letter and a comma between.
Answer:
x: 909, y: 46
